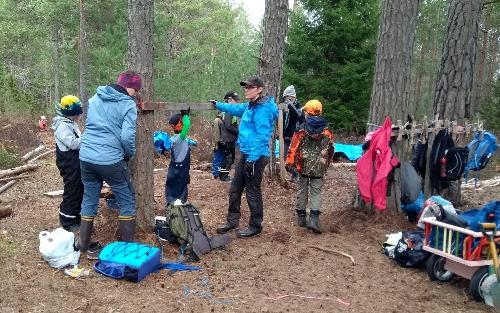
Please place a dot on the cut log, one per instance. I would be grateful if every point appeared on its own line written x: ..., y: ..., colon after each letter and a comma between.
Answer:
x: 13, y: 178
x: 18, y: 170
x: 49, y: 151
x: 7, y: 185
x: 33, y: 152
x: 5, y: 212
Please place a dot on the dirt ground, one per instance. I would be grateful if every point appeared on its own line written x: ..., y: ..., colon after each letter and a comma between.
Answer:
x: 277, y: 271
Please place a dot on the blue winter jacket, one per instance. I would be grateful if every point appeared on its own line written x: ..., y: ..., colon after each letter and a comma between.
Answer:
x: 256, y: 126
x: 109, y: 135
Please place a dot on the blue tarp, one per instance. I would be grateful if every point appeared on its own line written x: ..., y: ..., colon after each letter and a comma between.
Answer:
x: 351, y: 152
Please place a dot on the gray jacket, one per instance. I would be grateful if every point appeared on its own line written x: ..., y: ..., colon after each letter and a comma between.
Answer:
x: 229, y: 129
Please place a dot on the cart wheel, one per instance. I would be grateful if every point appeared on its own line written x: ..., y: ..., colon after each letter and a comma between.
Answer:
x: 477, y: 281
x: 435, y: 269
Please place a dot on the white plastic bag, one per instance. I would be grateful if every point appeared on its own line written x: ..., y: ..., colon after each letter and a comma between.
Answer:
x: 57, y: 248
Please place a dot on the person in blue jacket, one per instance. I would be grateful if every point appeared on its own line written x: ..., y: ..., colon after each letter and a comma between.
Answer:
x: 108, y: 142
x: 256, y: 127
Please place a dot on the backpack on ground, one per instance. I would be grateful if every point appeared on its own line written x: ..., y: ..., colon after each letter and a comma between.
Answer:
x: 481, y: 149
x: 314, y: 154
x: 409, y: 250
x: 185, y: 224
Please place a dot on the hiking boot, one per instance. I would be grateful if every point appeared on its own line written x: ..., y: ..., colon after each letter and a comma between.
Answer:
x: 226, y: 227
x: 314, y: 222
x: 249, y: 232
x: 94, y: 250
x: 127, y: 230
x: 301, y: 217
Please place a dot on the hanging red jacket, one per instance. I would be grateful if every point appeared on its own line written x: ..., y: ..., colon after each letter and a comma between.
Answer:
x: 375, y: 165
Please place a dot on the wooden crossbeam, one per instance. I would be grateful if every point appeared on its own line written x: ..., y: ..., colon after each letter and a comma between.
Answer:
x: 174, y: 106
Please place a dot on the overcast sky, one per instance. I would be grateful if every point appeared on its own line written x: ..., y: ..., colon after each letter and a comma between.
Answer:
x: 255, y: 10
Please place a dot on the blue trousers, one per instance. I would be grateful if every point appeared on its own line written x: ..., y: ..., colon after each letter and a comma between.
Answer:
x: 118, y: 178
x: 218, y: 162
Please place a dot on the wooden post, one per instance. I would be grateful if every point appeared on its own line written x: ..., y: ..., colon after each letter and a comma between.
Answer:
x: 282, y: 143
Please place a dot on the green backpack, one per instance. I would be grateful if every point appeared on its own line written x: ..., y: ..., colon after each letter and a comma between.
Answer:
x: 315, y: 154
x: 185, y: 224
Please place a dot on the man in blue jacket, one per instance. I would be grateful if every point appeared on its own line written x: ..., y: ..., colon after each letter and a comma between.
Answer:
x: 108, y: 142
x: 256, y: 127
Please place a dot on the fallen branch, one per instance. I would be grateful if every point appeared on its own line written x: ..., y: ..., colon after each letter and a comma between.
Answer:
x: 41, y: 156
x: 297, y: 296
x: 344, y: 164
x: 13, y: 178
x: 53, y: 194
x: 7, y: 185
x: 335, y: 252
x: 18, y: 170
x: 33, y: 152
x: 5, y: 212
x: 6, y: 126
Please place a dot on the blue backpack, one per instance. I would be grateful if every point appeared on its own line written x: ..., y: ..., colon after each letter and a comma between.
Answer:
x: 482, y: 147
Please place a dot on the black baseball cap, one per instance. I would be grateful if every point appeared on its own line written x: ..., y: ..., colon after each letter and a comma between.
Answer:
x: 231, y: 95
x: 252, y: 81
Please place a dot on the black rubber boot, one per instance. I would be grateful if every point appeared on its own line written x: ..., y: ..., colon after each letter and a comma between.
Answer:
x: 85, y: 233
x: 127, y: 230
x: 301, y: 217
x: 314, y: 222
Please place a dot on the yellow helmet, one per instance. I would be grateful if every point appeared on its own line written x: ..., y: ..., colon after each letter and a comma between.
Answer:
x: 313, y: 107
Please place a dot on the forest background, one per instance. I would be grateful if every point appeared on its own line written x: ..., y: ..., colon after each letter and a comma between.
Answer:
x: 204, y: 48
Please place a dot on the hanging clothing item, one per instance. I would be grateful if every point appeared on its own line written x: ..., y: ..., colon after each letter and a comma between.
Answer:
x: 375, y: 165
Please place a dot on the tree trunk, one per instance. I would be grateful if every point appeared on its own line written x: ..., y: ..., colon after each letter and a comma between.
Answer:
x: 452, y: 98
x: 420, y: 73
x: 270, y: 67
x: 140, y: 59
x: 56, y: 38
x: 82, y: 49
x: 273, y: 45
x: 392, y: 77
x: 493, y: 64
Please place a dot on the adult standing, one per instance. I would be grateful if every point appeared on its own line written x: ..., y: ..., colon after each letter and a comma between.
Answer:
x: 229, y: 135
x: 256, y: 127
x: 108, y: 142
x: 292, y: 115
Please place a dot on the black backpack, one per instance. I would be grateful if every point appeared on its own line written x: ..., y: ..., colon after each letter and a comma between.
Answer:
x: 409, y: 250
x: 447, y: 161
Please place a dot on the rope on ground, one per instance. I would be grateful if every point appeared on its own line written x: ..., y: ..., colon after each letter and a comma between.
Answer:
x: 206, y: 293
x: 334, y: 252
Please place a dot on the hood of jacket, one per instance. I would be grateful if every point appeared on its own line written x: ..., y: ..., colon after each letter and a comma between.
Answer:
x: 57, y: 120
x: 108, y: 93
x: 314, y: 125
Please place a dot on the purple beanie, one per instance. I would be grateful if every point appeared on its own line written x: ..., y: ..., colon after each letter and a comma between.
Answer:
x: 130, y: 79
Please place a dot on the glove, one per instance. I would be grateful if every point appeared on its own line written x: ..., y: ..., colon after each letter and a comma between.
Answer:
x: 249, y: 169
x: 213, y: 103
x: 186, y: 112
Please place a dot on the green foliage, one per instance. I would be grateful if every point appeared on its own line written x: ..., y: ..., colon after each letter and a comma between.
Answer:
x: 198, y: 55
x: 8, y: 158
x: 490, y: 110
x: 330, y: 56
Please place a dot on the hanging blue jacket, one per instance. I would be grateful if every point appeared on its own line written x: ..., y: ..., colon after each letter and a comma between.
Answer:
x: 109, y: 135
x: 256, y: 126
